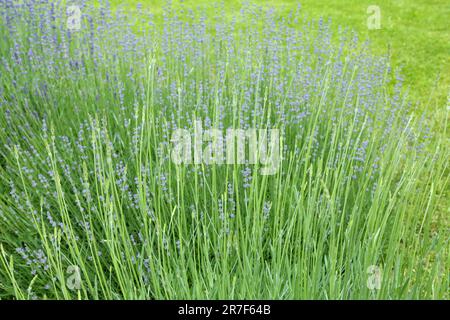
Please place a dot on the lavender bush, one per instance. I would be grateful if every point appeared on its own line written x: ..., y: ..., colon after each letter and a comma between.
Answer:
x: 93, y: 207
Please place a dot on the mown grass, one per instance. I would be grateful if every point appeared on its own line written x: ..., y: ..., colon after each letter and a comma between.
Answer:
x: 88, y: 183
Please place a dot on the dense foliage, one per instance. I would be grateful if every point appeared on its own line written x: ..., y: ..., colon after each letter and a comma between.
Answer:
x: 87, y: 179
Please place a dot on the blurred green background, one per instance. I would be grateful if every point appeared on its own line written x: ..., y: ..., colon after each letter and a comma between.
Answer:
x: 416, y: 34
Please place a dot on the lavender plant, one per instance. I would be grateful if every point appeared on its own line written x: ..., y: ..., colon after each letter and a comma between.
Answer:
x: 93, y: 207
